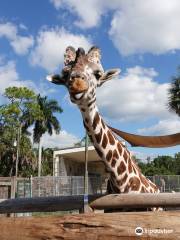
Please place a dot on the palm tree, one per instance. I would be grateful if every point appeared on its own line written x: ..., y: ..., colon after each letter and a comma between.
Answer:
x: 174, y: 94
x: 47, y: 123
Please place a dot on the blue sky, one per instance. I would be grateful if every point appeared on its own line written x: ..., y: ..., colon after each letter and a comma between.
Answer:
x: 141, y: 38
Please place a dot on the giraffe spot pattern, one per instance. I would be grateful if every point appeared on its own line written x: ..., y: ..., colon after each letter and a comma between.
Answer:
x: 111, y: 138
x: 144, y: 180
x: 130, y: 169
x: 98, y: 136
x: 134, y: 183
x: 143, y: 190
x: 119, y: 147
x: 104, y: 141
x: 123, y: 180
x: 115, y: 154
x: 86, y: 120
x: 102, y: 122
x: 96, y: 120
x: 99, y: 152
x: 134, y: 169
x: 121, y: 168
x: 83, y: 109
x: 113, y: 163
x: 125, y: 155
x: 109, y: 156
x: 93, y: 101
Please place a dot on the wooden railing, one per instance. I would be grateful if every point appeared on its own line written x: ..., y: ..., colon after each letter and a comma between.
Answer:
x: 113, y: 201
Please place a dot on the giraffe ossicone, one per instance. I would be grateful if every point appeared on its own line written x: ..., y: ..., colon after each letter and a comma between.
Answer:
x: 81, y: 77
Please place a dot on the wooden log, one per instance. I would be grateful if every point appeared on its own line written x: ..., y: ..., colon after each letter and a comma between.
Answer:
x: 109, y: 226
x: 44, y: 204
x: 133, y: 201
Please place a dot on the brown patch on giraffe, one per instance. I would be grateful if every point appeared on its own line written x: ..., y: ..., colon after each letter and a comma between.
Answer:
x: 98, y: 136
x: 125, y: 155
x: 136, y: 165
x: 102, y: 122
x: 87, y: 120
x: 130, y: 168
x: 121, y: 168
x: 123, y: 180
x: 126, y: 189
x: 104, y: 141
x: 143, y: 190
x: 113, y: 175
x: 83, y: 109
x: 151, y: 191
x: 134, y: 169
x: 115, y: 154
x: 113, y: 163
x: 110, y: 137
x: 96, y: 120
x: 99, y: 152
x: 119, y: 147
x: 134, y: 183
x: 144, y: 180
x: 109, y: 155
x: 93, y: 101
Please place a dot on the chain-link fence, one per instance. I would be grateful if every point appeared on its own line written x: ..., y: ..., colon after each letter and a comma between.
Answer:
x: 69, y: 185
x: 73, y: 185
x: 167, y: 183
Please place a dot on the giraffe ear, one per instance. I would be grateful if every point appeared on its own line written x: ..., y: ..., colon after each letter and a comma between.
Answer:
x: 94, y: 55
x: 108, y: 75
x: 56, y: 79
x: 69, y: 55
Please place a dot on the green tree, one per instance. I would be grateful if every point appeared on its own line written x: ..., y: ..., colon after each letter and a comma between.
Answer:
x: 47, y: 161
x: 174, y: 94
x: 47, y: 123
x: 12, y: 128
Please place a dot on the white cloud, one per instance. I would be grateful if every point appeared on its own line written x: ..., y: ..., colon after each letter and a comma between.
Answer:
x: 163, y: 127
x: 9, y: 77
x: 146, y: 26
x: 51, y: 44
x: 136, y: 27
x: 57, y: 3
x: 88, y: 12
x: 20, y: 44
x: 64, y: 139
x: 135, y: 96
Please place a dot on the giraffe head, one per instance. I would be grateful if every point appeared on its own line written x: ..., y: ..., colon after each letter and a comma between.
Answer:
x: 82, y: 74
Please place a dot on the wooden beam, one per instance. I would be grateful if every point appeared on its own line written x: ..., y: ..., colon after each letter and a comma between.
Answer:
x: 44, y: 204
x: 109, y: 226
x: 5, y: 184
x: 133, y: 201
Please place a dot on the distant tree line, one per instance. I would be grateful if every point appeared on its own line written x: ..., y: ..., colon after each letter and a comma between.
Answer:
x: 161, y: 165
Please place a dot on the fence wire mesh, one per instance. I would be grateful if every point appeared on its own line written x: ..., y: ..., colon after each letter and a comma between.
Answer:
x: 74, y: 185
x: 69, y: 185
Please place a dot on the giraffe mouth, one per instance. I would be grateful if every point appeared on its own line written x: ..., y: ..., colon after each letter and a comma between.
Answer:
x: 78, y: 96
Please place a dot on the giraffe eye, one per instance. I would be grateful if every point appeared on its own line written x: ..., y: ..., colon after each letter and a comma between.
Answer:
x: 97, y: 74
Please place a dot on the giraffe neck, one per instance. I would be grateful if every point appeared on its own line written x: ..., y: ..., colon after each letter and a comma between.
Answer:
x: 125, y: 175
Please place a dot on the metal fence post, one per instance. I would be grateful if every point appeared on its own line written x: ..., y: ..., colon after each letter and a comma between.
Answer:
x: 31, y: 185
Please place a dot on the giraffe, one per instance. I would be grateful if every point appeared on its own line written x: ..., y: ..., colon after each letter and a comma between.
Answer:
x: 82, y: 75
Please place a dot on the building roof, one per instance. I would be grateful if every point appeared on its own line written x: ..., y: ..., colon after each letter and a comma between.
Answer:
x: 78, y: 154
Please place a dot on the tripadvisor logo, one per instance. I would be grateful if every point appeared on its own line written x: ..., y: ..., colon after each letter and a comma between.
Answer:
x: 139, y: 231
